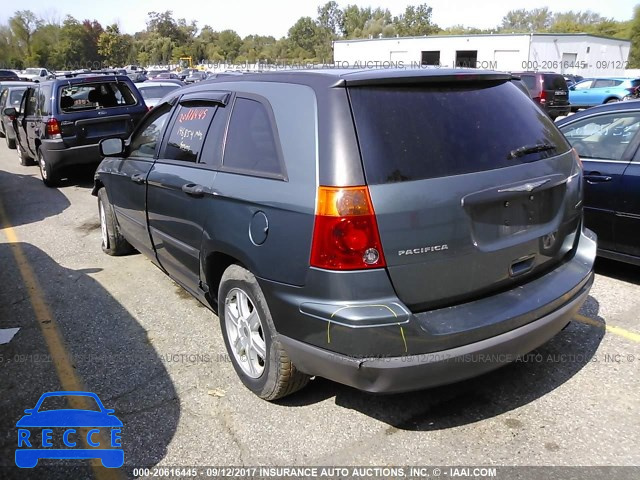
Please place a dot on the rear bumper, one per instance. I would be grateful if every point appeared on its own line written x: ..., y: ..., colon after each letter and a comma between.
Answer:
x: 414, y: 372
x: 557, y: 110
x: 371, y: 341
x: 59, y: 155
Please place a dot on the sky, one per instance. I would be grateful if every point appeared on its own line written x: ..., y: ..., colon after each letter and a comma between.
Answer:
x: 275, y: 17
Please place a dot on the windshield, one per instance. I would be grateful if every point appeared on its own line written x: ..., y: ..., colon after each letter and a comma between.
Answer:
x: 15, y: 96
x: 413, y: 133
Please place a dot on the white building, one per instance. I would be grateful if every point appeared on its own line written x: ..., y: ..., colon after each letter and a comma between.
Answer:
x: 576, y: 53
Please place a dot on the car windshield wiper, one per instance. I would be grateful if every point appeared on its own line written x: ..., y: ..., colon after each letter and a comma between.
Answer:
x: 527, y: 149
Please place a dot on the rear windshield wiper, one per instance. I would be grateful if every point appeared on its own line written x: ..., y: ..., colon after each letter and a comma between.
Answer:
x: 527, y: 149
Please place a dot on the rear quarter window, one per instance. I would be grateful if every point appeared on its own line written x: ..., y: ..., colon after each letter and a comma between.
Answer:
x: 252, y: 144
x: 414, y: 133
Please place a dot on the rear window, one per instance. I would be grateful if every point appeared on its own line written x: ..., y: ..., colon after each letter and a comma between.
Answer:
x: 157, y: 91
x: 93, y: 96
x: 414, y: 133
x: 554, y: 82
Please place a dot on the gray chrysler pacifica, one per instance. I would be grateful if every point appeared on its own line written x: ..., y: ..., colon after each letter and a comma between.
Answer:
x: 387, y: 229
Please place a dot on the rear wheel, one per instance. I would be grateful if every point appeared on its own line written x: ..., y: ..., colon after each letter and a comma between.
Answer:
x: 48, y: 173
x: 25, y: 159
x: 113, y: 243
x: 251, y: 338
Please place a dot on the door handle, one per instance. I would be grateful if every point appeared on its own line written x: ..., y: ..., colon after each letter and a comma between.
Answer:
x: 138, y: 178
x: 193, y: 189
x: 595, y: 177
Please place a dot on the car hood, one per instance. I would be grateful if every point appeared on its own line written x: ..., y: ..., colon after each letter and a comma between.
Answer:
x: 69, y: 418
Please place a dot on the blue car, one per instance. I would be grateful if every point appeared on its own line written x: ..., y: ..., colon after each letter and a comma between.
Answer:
x: 607, y: 139
x: 48, y: 431
x: 596, y: 91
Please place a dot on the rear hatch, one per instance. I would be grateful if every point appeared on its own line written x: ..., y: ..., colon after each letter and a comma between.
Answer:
x: 96, y: 109
x: 474, y: 189
x: 556, y: 92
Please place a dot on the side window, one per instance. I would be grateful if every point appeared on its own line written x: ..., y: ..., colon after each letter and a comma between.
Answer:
x: 252, y: 145
x: 189, y: 131
x: 32, y: 103
x: 584, y: 85
x: 603, y: 137
x: 145, y: 142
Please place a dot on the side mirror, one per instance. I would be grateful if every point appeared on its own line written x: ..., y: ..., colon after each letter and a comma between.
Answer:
x: 111, y: 147
x: 11, y: 113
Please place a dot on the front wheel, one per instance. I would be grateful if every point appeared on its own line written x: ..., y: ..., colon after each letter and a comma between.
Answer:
x: 48, y: 173
x: 612, y: 100
x: 251, y: 338
x: 113, y: 242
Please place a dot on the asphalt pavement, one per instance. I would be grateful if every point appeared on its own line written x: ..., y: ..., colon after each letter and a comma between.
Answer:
x: 119, y: 327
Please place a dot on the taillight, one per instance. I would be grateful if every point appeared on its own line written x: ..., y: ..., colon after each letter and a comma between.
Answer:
x: 53, y: 128
x: 543, y: 97
x: 345, y: 235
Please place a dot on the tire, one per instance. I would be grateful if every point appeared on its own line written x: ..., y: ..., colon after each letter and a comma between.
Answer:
x: 612, y: 100
x: 113, y: 243
x: 25, y: 160
x: 50, y: 175
x: 11, y: 143
x: 265, y: 368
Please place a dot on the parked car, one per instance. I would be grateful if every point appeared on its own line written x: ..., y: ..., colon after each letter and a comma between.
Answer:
x: 8, y: 75
x: 138, y: 77
x: 196, y: 76
x: 167, y: 76
x: 573, y: 79
x: 186, y: 72
x: 61, y: 121
x: 596, y: 91
x: 342, y: 227
x: 155, y: 73
x: 37, y: 74
x: 152, y: 91
x: 607, y: 139
x: 10, y: 96
x: 173, y: 81
x: 549, y: 90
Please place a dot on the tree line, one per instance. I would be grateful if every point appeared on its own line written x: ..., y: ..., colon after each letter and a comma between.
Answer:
x: 29, y: 40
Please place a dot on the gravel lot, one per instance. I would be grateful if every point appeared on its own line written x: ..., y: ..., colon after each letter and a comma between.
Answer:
x: 157, y: 357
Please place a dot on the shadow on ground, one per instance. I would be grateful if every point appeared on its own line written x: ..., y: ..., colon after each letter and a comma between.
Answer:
x: 492, y: 394
x: 618, y: 270
x: 109, y: 351
x: 17, y: 196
